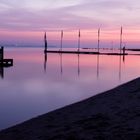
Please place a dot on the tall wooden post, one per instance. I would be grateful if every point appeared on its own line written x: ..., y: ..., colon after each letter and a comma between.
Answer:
x: 45, y: 41
x: 79, y: 36
x: 61, y: 40
x: 98, y: 46
x: 121, y: 40
x: 1, y: 53
x: 1, y: 59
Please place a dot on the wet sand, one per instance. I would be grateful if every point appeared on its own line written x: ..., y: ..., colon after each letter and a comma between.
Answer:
x: 112, y: 115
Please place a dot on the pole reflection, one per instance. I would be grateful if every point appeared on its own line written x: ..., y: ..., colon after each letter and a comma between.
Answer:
x: 1, y: 72
x: 45, y: 61
x: 121, y: 58
x: 61, y: 63
x: 78, y: 65
x: 98, y: 59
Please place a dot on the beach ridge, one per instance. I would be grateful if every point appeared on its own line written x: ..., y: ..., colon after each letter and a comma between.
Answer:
x: 114, y: 114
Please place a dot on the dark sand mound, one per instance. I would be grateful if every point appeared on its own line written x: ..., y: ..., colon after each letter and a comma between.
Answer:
x: 112, y: 115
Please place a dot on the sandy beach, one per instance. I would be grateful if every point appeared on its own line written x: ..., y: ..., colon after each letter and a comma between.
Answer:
x: 112, y: 115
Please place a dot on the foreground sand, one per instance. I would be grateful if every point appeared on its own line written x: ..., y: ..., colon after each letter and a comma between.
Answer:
x: 112, y: 115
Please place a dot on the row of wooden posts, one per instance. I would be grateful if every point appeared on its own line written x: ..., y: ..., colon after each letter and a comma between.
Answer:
x: 79, y: 41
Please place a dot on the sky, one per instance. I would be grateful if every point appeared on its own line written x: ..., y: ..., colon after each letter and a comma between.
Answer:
x: 37, y: 16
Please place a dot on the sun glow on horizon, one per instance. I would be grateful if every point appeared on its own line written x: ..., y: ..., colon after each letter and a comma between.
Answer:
x: 71, y: 36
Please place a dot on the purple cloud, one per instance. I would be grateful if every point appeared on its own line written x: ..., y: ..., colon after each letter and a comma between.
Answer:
x: 58, y: 14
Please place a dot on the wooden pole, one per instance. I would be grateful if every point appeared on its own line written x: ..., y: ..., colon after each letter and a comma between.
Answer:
x: 2, y: 53
x: 98, y: 46
x: 45, y: 41
x: 79, y: 36
x: 121, y: 40
x: 61, y: 40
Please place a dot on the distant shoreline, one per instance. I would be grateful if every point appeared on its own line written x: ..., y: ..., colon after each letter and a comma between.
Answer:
x: 113, y: 115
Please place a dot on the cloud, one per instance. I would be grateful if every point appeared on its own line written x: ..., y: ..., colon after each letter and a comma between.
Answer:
x: 21, y: 19
x: 40, y: 4
x: 57, y: 14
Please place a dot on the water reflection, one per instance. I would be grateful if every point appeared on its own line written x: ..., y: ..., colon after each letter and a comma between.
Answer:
x: 61, y: 63
x: 26, y: 91
x: 78, y: 65
x: 98, y: 66
x: 1, y: 72
x: 121, y: 58
x: 2, y: 68
x: 45, y: 61
x: 120, y: 67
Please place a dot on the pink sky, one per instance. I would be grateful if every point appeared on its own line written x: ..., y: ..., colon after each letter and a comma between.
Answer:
x: 25, y: 22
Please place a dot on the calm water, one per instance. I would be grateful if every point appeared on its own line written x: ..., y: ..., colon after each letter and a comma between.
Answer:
x: 37, y: 84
